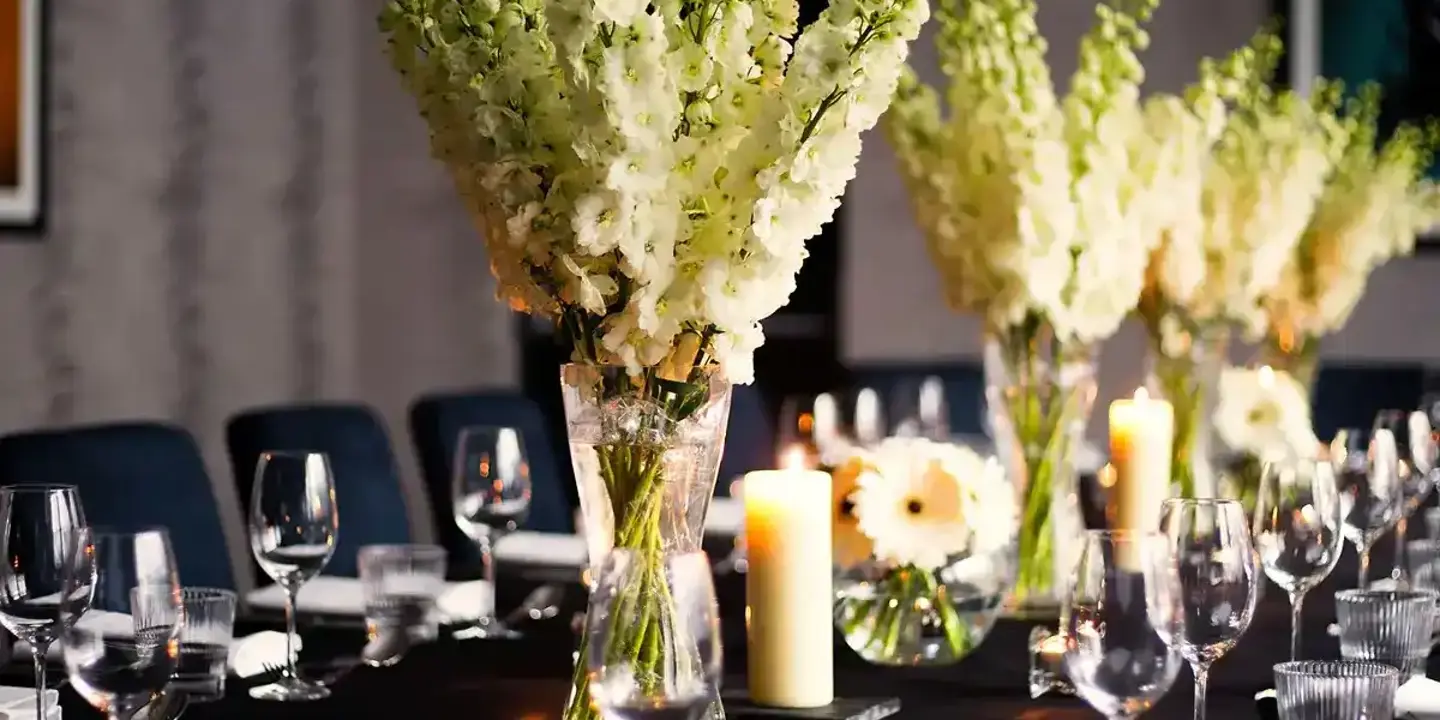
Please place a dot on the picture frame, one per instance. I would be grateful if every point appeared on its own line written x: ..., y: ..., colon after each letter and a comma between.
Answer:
x: 22, y: 100
x: 1395, y: 43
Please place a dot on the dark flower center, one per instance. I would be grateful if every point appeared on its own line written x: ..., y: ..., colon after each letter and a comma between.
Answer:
x: 914, y: 506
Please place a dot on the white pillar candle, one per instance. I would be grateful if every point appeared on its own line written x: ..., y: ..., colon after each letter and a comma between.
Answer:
x: 788, y: 592
x: 1141, y: 433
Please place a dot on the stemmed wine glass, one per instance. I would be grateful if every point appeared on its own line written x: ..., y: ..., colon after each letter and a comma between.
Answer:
x: 1218, y: 581
x: 1123, y: 618
x: 685, y: 684
x: 293, y: 529
x: 1367, y: 470
x: 919, y: 410
x: 1297, y: 529
x: 42, y: 526
x: 121, y: 651
x: 1411, y: 431
x: 491, y: 495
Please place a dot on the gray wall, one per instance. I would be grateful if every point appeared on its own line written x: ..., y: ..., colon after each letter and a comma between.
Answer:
x: 893, y: 308
x: 242, y: 211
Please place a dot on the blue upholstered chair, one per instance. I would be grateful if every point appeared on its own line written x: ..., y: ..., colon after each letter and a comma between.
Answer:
x: 899, y: 385
x: 131, y: 476
x: 435, y: 424
x: 749, y: 438
x: 1351, y: 395
x: 368, y: 494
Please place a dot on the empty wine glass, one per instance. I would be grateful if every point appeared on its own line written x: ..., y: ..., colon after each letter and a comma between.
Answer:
x: 491, y: 495
x: 1367, y: 470
x: 293, y: 528
x: 121, y: 651
x: 868, y: 423
x: 1122, y: 616
x: 1297, y: 529
x: 42, y: 525
x: 683, y: 683
x: 811, y: 422
x: 1411, y: 431
x: 1216, y: 563
x: 919, y: 409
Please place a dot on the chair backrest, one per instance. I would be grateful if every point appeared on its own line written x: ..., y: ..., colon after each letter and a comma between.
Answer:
x: 749, y: 438
x: 1352, y: 395
x: 368, y: 493
x: 436, y: 421
x: 131, y: 476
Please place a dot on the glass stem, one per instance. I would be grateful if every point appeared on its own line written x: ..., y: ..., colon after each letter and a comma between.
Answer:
x: 1402, y: 527
x: 292, y: 672
x: 38, y: 648
x: 1364, y: 566
x: 1297, y: 602
x: 486, y: 544
x: 1202, y: 677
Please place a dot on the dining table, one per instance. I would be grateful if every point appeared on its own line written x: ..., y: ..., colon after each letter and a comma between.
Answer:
x: 528, y: 678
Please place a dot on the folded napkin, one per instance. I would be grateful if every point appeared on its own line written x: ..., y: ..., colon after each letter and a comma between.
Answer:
x: 18, y: 703
x: 254, y: 654
x: 1418, y: 699
x: 546, y: 549
x: 344, y: 597
x: 726, y: 517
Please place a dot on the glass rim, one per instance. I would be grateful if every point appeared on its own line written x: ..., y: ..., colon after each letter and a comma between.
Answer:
x: 27, y: 488
x: 112, y: 532
x: 208, y: 594
x: 291, y: 453
x: 424, y: 550
x: 1337, y: 669
x: 1360, y: 595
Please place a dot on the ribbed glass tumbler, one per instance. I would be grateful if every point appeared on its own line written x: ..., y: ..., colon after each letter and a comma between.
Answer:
x: 1335, y: 690
x: 1387, y: 626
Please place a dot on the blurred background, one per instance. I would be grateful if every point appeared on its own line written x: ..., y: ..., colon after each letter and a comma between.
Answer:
x: 240, y: 210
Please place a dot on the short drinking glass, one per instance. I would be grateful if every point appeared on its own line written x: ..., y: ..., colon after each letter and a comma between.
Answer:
x: 204, y: 643
x: 1123, y: 618
x: 123, y: 618
x: 401, y: 584
x: 1367, y: 470
x: 685, y: 686
x: 491, y: 494
x: 1335, y: 690
x: 1297, y: 529
x: 1218, y: 577
x: 1387, y: 626
x: 293, y: 527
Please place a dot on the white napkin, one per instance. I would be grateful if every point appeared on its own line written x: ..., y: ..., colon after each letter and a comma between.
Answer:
x: 726, y: 517
x: 464, y: 601
x: 252, y: 654
x: 344, y: 597
x: 18, y: 703
x: 547, y: 549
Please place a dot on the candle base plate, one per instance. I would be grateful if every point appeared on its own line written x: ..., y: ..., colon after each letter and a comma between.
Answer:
x: 739, y: 706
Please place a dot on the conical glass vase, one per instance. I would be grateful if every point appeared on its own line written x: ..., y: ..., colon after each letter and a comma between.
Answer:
x: 645, y: 450
x: 1186, y: 373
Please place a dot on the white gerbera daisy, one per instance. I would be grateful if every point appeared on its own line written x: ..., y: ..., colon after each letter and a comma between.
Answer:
x: 850, y: 547
x: 922, y: 502
x: 1263, y: 412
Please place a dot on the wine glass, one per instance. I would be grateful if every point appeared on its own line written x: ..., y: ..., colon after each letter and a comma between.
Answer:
x: 1122, y: 618
x: 811, y: 422
x: 868, y: 423
x: 685, y: 681
x: 121, y: 651
x: 1411, y: 431
x: 293, y: 527
x: 1218, y: 582
x: 42, y: 525
x: 919, y: 410
x: 1297, y: 529
x: 1367, y: 470
x: 491, y: 495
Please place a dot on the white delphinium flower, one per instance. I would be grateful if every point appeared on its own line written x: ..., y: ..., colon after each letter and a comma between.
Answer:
x: 921, y: 502
x: 647, y: 174
x: 1264, y: 412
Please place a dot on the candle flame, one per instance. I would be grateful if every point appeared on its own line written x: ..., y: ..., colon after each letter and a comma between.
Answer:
x: 793, y: 459
x: 1141, y: 394
x: 1267, y: 377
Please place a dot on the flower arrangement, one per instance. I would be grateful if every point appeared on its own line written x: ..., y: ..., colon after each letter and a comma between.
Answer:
x: 1040, y: 213
x: 920, y: 511
x: 1262, y: 414
x: 1374, y: 204
x: 646, y: 175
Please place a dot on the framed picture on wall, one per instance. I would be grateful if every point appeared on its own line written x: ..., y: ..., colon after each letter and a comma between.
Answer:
x: 21, y: 98
x: 1395, y: 43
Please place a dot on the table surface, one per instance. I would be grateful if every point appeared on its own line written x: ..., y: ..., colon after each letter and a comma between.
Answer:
x: 527, y: 679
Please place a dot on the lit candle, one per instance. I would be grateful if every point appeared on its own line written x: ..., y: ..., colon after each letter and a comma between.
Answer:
x: 1141, y: 433
x: 787, y: 587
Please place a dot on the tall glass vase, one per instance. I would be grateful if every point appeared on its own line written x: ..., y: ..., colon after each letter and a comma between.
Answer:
x: 645, y: 450
x: 1039, y: 394
x: 1186, y: 373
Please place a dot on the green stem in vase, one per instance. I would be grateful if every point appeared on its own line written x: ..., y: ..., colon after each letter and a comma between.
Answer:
x: 957, y: 635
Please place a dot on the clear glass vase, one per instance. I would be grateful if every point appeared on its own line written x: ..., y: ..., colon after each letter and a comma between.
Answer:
x: 646, y: 450
x: 905, y: 615
x: 1185, y: 371
x: 1039, y: 394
